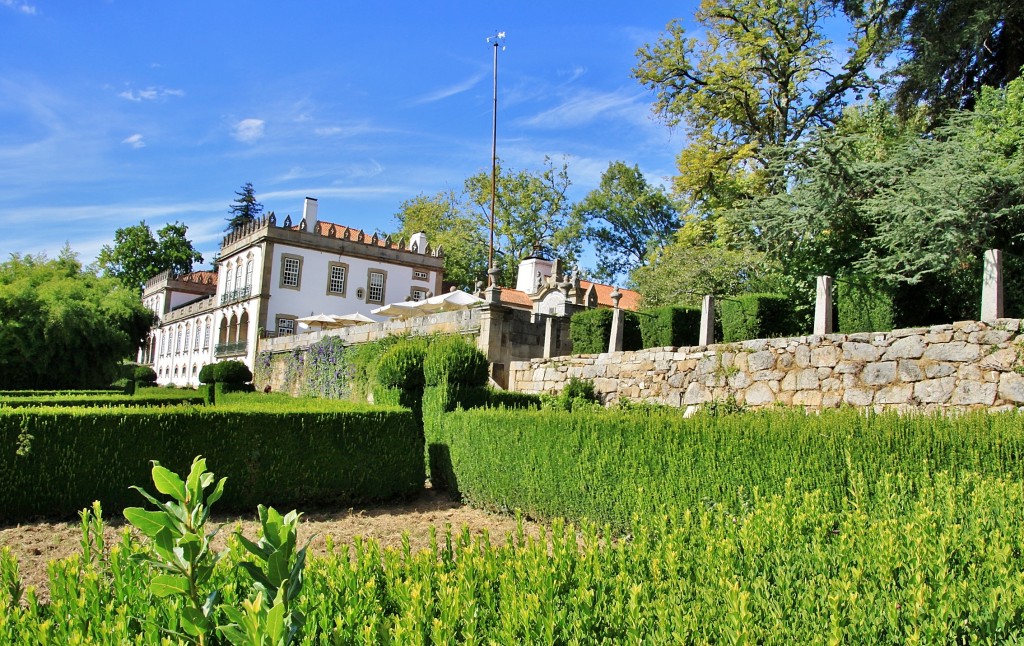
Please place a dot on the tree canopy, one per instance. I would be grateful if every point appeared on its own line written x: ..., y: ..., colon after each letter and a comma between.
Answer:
x: 244, y: 209
x: 62, y: 326
x: 137, y: 256
x: 625, y: 217
x: 446, y: 225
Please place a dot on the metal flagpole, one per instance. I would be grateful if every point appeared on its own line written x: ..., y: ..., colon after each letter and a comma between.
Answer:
x: 496, y: 40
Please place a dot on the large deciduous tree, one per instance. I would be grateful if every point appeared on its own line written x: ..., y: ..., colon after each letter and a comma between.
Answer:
x: 532, y: 214
x: 137, y: 256
x: 244, y: 209
x: 464, y: 242
x: 62, y: 326
x: 625, y: 217
x: 759, y: 77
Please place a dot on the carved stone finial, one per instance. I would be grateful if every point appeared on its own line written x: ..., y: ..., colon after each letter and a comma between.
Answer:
x: 616, y: 296
x: 439, y: 252
x: 373, y: 240
x: 359, y: 235
x: 287, y: 222
x: 493, y: 274
x: 332, y: 231
x: 302, y: 224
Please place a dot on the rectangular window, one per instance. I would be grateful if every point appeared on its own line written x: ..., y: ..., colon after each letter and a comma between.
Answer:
x: 291, y: 271
x: 336, y: 277
x: 285, y: 326
x: 418, y: 294
x: 420, y: 275
x: 206, y: 335
x: 375, y: 287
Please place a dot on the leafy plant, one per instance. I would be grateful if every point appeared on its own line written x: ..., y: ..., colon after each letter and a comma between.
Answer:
x: 180, y: 542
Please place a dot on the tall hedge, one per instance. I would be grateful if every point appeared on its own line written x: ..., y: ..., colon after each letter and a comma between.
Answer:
x: 758, y: 316
x: 670, y: 326
x: 590, y: 331
x: 863, y: 306
x: 55, y: 461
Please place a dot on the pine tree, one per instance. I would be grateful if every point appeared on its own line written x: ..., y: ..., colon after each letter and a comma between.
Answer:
x: 244, y: 209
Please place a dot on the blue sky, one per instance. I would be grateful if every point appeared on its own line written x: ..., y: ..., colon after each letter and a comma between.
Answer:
x: 113, y: 111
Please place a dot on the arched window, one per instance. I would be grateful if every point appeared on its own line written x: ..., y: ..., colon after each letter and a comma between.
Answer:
x: 238, y: 278
x: 248, y: 273
x: 188, y: 336
x: 206, y: 336
x: 227, y: 283
x: 199, y: 329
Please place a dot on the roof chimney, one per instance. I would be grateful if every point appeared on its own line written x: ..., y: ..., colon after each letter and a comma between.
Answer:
x: 309, y: 213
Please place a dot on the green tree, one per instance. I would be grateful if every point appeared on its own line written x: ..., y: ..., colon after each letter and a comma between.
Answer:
x: 760, y: 77
x: 532, y: 214
x: 137, y: 256
x: 625, y: 217
x: 698, y: 261
x: 62, y: 326
x: 244, y: 209
x: 464, y: 242
x: 950, y: 49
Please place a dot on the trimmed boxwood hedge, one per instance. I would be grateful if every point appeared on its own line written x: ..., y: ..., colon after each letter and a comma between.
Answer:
x: 142, y: 397
x: 758, y: 316
x: 670, y: 326
x: 56, y: 461
x: 590, y: 331
x: 864, y: 307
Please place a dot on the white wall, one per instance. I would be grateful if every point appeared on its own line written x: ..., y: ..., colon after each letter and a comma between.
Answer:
x: 312, y: 295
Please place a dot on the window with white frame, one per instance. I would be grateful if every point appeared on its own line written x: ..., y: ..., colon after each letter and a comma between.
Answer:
x: 418, y: 294
x: 248, y: 273
x: 285, y: 326
x: 199, y: 329
x: 375, y: 287
x: 206, y: 335
x: 227, y: 283
x: 188, y: 336
x: 337, y: 275
x: 177, y: 341
x: 420, y: 275
x: 291, y: 271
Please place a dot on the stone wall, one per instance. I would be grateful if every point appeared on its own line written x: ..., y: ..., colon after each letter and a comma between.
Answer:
x: 959, y: 366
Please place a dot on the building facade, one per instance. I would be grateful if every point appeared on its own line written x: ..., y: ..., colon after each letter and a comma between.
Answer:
x: 270, y: 274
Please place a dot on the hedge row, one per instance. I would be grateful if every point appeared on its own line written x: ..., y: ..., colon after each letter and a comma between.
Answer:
x: 590, y: 331
x: 144, y: 397
x: 943, y: 569
x: 56, y: 461
x: 607, y: 465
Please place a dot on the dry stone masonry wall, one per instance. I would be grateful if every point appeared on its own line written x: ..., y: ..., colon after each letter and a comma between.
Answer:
x: 958, y: 366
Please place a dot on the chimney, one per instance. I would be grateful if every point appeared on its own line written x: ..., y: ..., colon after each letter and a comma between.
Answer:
x: 418, y: 242
x: 532, y: 271
x: 309, y: 213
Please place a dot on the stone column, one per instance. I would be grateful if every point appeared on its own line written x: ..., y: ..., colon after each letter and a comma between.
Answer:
x: 618, y: 323
x: 549, y: 336
x: 823, y: 306
x: 707, y: 321
x: 992, y: 286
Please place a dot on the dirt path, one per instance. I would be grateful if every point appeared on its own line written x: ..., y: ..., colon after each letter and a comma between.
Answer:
x: 36, y: 544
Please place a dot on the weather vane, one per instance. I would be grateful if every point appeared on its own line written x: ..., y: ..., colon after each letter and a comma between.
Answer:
x: 498, y: 39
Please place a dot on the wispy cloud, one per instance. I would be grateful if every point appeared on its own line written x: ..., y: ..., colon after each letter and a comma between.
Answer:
x: 588, y: 106
x: 576, y: 72
x: 150, y: 93
x: 135, y: 141
x: 450, y: 90
x: 249, y: 130
x: 22, y: 7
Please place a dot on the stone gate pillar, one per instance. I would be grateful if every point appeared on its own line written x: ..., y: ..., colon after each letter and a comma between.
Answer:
x: 992, y: 286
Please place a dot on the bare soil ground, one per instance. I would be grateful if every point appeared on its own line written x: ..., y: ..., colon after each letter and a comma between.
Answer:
x: 36, y: 544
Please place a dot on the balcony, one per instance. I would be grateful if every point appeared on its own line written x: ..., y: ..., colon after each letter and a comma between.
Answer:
x: 236, y: 295
x: 230, y: 349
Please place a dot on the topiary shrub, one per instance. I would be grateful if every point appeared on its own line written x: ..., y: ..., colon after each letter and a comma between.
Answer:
x: 206, y: 374
x: 670, y: 326
x: 144, y: 375
x: 455, y: 361
x: 864, y: 306
x: 232, y: 372
x: 401, y: 366
x: 758, y: 316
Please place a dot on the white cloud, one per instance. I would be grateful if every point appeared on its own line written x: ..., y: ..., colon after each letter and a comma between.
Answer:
x: 17, y: 5
x: 135, y: 141
x: 451, y: 90
x: 586, y: 107
x: 249, y: 130
x: 150, y: 94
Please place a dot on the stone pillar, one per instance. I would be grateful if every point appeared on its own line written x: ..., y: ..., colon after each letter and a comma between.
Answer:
x: 823, y: 306
x: 707, y: 321
x: 549, y: 336
x: 492, y: 328
x: 618, y: 324
x: 992, y: 286
x: 493, y: 292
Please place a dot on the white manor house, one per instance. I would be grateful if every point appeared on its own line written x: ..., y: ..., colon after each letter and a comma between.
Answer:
x: 268, y: 275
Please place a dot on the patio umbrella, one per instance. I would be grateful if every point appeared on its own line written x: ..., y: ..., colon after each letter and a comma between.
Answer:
x: 398, y: 310
x: 322, y: 321
x: 348, y: 320
x: 457, y: 300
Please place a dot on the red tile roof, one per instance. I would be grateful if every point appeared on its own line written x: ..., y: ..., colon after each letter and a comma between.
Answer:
x: 200, y: 277
x: 332, y: 230
x: 515, y: 298
x: 630, y: 300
